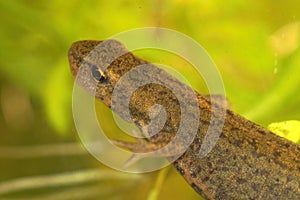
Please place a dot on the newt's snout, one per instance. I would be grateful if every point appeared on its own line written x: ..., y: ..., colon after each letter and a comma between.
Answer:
x: 78, y: 51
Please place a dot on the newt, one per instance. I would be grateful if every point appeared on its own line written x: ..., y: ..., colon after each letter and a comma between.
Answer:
x: 247, y: 161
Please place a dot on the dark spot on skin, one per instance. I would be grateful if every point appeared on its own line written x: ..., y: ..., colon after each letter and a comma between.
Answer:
x: 101, y: 98
x: 196, y: 142
x: 162, y: 92
x: 209, y: 164
x: 181, y: 171
x: 277, y: 153
x: 196, y: 188
x: 193, y: 175
x: 206, y: 179
x: 238, y: 143
x: 199, y: 169
x: 263, y: 132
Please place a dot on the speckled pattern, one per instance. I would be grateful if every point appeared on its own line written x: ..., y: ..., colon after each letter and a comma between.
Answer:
x: 248, y: 161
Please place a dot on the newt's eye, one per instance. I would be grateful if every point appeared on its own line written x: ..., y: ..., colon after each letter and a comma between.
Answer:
x: 98, y: 74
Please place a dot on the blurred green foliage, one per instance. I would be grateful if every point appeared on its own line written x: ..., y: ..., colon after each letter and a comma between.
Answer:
x: 255, y: 45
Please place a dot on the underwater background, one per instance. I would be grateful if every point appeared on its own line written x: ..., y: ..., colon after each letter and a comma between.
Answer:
x: 254, y: 44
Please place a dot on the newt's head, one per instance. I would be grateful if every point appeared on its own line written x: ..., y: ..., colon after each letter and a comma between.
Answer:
x: 98, y: 65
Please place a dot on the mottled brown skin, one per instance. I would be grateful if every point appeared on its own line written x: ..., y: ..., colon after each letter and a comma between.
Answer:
x: 247, y: 162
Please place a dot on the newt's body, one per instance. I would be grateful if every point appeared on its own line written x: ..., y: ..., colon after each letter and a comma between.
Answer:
x: 247, y: 162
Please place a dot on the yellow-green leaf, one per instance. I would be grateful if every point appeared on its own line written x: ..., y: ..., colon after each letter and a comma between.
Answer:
x: 288, y: 129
